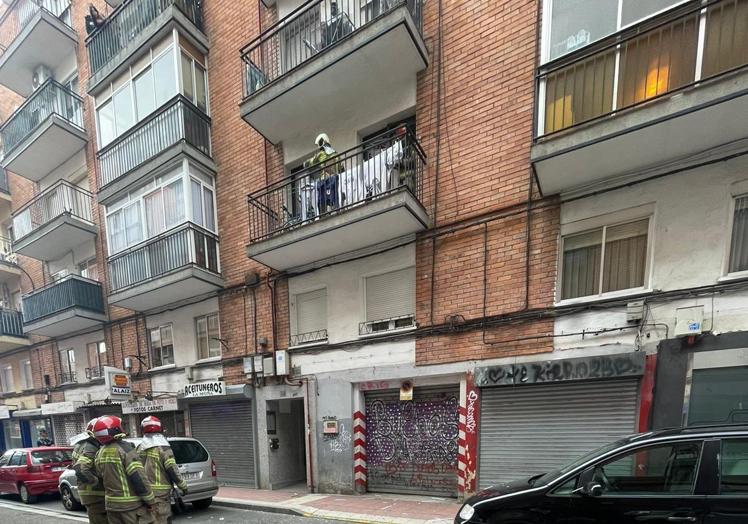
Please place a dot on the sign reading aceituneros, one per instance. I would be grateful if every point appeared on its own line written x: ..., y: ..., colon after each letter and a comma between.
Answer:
x: 213, y: 388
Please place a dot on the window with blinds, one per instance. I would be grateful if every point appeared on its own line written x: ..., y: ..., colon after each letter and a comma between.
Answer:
x: 612, y: 258
x: 390, y: 301
x: 739, y: 242
x: 311, y: 317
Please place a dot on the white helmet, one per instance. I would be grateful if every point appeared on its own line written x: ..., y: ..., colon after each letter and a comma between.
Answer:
x: 322, y: 139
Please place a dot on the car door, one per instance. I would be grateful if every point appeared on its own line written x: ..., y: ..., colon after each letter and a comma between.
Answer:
x: 728, y: 502
x: 16, y: 467
x: 4, y: 464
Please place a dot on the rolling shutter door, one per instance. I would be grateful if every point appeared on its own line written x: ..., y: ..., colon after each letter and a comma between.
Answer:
x: 66, y: 426
x: 234, y: 452
x: 534, y: 429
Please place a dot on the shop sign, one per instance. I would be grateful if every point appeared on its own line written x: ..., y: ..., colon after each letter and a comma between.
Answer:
x: 149, y: 406
x: 60, y: 408
x: 562, y: 370
x: 205, y: 389
x: 4, y: 412
x: 117, y: 382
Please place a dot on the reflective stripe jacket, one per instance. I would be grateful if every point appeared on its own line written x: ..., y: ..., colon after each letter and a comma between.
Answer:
x: 123, y: 475
x: 90, y: 487
x: 161, y: 470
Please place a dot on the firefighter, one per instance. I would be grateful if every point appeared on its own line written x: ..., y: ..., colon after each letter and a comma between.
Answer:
x: 160, y: 467
x: 128, y: 495
x: 90, y: 489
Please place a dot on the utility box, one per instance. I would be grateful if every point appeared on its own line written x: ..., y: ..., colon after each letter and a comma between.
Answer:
x: 282, y: 365
x: 689, y: 321
x: 268, y: 366
x: 257, y: 366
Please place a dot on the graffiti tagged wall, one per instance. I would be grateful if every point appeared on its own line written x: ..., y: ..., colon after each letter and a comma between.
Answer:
x: 412, y: 445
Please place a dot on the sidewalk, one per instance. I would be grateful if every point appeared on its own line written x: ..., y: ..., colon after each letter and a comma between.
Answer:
x: 395, y: 509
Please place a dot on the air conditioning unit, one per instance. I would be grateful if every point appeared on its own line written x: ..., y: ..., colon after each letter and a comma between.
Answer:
x: 41, y: 74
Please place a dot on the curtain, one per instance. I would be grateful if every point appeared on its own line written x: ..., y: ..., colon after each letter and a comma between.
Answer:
x: 173, y: 204
x: 738, y: 244
x: 581, y: 264
x: 197, y: 208
x: 116, y: 227
x: 208, y: 206
x: 625, y: 256
x: 154, y: 213
x: 133, y: 224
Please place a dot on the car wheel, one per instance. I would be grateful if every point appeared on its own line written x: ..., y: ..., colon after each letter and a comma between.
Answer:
x: 26, y: 497
x: 202, y: 504
x: 68, y: 500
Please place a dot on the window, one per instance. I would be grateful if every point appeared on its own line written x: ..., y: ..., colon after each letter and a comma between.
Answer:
x: 67, y: 365
x: 88, y: 269
x: 123, y: 110
x: 203, y: 213
x: 27, y: 380
x: 107, y: 130
x: 194, y: 81
x: 390, y: 301
x: 164, y: 77
x: 739, y: 242
x: 208, y: 345
x: 734, y: 466
x: 611, y: 258
x: 665, y: 469
x: 162, y: 346
x: 164, y: 208
x: 718, y: 396
x: 7, y: 382
x: 188, y: 451
x: 310, y: 316
x: 145, y: 94
x: 18, y: 459
x: 5, y: 459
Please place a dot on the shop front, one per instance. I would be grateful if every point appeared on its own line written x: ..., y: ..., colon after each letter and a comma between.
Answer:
x: 166, y: 409
x: 67, y: 421
x: 30, y: 426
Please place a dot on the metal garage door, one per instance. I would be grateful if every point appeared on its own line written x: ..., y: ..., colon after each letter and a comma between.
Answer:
x: 411, y: 446
x: 535, y: 429
x: 227, y: 430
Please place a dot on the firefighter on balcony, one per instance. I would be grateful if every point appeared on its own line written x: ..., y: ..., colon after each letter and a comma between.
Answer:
x: 327, y: 180
x: 160, y: 467
x: 90, y: 488
x: 128, y: 495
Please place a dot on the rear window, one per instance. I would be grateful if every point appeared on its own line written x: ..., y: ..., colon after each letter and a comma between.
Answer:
x: 51, y: 456
x: 186, y: 451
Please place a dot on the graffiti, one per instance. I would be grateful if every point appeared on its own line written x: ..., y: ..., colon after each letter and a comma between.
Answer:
x: 423, y: 476
x: 471, y: 423
x: 341, y: 442
x: 374, y: 385
x: 586, y: 368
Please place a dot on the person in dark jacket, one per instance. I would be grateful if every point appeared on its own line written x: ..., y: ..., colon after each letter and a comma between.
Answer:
x: 90, y: 488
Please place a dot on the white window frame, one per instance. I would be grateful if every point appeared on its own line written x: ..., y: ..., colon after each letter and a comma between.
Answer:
x: 294, y: 313
x: 201, y: 358
x: 646, y: 211
x: 7, y: 388
x: 194, y: 77
x: 160, y: 327
x: 389, y: 269
x: 27, y: 379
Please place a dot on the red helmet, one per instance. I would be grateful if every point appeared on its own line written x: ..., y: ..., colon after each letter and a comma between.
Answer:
x: 90, y: 427
x: 151, y: 424
x: 108, y: 428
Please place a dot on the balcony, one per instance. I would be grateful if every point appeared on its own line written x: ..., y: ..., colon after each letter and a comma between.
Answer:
x: 66, y: 306
x: 179, y: 264
x: 352, y: 59
x: 53, y: 222
x: 94, y: 373
x: 67, y: 378
x: 370, y: 194
x: 133, y: 26
x: 646, y: 97
x: 34, y: 33
x: 9, y: 269
x: 11, y: 330
x: 311, y: 338
x: 44, y: 132
x: 177, y: 128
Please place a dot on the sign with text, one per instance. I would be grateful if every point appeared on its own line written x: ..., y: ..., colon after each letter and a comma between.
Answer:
x: 60, y: 408
x: 562, y: 370
x: 118, y: 383
x: 4, y: 412
x: 205, y: 389
x: 150, y: 406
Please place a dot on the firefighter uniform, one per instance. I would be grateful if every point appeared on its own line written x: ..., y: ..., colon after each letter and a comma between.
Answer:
x: 128, y: 495
x: 162, y: 473
x: 90, y: 488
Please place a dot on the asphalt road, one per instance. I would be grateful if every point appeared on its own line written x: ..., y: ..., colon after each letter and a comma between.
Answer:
x: 50, y: 510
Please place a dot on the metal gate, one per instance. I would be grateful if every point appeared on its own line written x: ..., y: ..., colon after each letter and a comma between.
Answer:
x: 226, y: 429
x: 532, y: 429
x: 66, y: 426
x: 411, y: 446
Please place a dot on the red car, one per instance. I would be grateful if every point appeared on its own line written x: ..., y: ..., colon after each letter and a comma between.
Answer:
x: 31, y: 472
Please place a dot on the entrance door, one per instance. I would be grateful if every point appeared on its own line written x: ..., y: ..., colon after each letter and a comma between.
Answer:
x: 411, y: 446
x: 287, y: 442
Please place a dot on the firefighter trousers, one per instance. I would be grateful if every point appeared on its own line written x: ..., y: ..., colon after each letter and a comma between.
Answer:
x: 162, y: 510
x: 97, y: 513
x: 135, y: 516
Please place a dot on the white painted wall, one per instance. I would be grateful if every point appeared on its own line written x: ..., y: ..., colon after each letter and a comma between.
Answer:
x: 175, y: 381
x: 78, y: 344
x: 75, y: 256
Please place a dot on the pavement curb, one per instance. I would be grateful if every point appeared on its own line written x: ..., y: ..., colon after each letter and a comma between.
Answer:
x: 240, y: 504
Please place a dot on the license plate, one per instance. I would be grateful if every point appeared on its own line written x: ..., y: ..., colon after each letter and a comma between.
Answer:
x: 190, y: 476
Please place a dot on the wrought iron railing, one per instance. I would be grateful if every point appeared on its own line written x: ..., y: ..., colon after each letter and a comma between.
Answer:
x: 389, y: 162
x: 68, y: 378
x: 658, y: 57
x: 20, y: 12
x: 372, y: 327
x: 72, y: 291
x: 127, y: 22
x: 51, y: 98
x: 11, y: 323
x: 311, y: 337
x: 185, y: 245
x: 58, y: 199
x: 313, y: 27
x: 94, y: 372
x: 177, y: 121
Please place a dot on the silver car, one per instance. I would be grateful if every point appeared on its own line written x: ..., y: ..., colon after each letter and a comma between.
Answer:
x: 195, y: 465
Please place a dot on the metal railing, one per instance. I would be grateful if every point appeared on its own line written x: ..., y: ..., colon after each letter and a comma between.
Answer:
x: 72, y: 291
x: 4, y: 185
x: 6, y: 251
x: 185, y: 245
x: 68, y: 378
x: 700, y: 40
x: 94, y: 372
x: 19, y: 13
x: 308, y: 30
x: 11, y: 323
x: 51, y: 98
x: 372, y: 327
x: 177, y: 121
x: 308, y: 338
x: 387, y: 163
x: 127, y: 22
x: 58, y: 199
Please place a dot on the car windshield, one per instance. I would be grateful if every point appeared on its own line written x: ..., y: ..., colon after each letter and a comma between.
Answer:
x: 553, y: 475
x: 53, y: 456
x: 186, y: 451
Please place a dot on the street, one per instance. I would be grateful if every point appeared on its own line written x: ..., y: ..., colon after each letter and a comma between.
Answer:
x: 51, y: 510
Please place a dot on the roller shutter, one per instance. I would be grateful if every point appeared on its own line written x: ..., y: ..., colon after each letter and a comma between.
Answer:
x: 232, y: 452
x: 534, y: 429
x: 411, y: 446
x: 66, y: 426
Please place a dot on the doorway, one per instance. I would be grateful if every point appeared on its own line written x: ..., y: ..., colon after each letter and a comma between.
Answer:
x: 286, y: 442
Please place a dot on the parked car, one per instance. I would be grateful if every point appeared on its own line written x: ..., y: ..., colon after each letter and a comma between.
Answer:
x: 195, y: 465
x: 30, y: 472
x: 695, y: 475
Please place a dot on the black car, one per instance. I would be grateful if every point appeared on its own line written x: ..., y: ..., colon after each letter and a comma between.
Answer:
x: 694, y: 475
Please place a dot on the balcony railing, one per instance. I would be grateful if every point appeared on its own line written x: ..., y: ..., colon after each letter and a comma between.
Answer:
x: 94, y: 372
x: 128, y: 21
x: 11, y: 323
x: 52, y: 98
x: 311, y: 337
x: 685, y: 46
x: 6, y: 251
x: 313, y: 27
x: 72, y: 291
x: 387, y: 163
x: 4, y: 186
x: 187, y: 245
x: 58, y: 199
x: 374, y: 327
x: 18, y: 15
x: 68, y: 378
x: 177, y: 121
